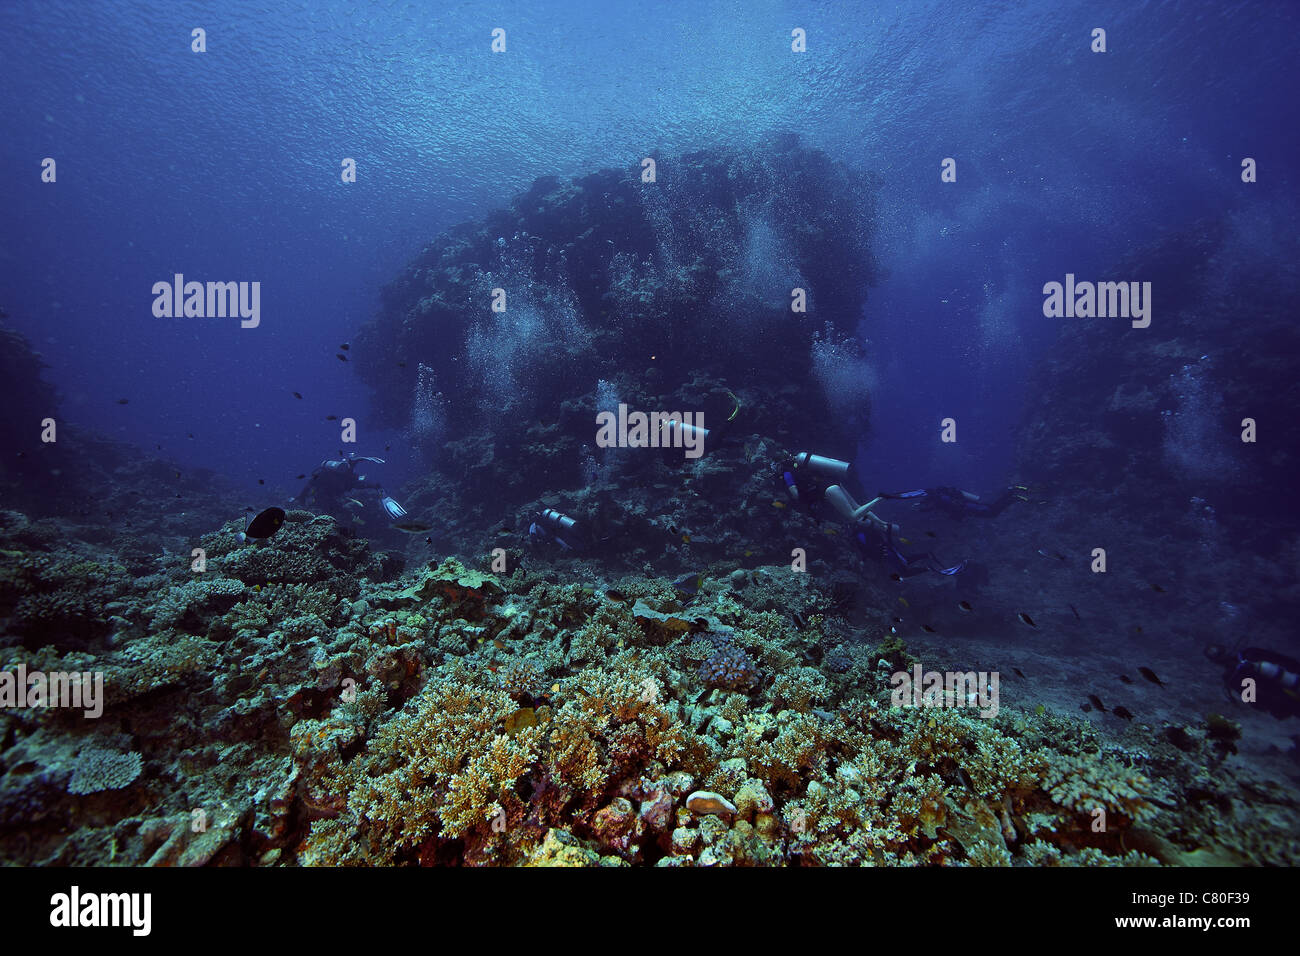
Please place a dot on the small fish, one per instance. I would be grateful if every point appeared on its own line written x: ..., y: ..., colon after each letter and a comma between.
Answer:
x: 897, y: 620
x: 1137, y: 629
x: 749, y: 554
x: 1150, y: 675
x: 830, y: 530
x: 1096, y: 702
x: 1123, y: 713
x: 357, y: 503
x: 302, y: 476
x: 896, y: 577
x: 401, y: 365
x: 1075, y: 611
x: 189, y: 434
x: 778, y: 504
x: 1086, y: 708
x: 615, y: 595
x: 927, y: 628
x: 686, y: 539
x: 344, y: 346
x: 903, y: 601
x: 257, y: 587
x: 931, y: 534
x: 965, y: 605
x: 297, y: 395
x: 1040, y: 710
x: 122, y: 401
x: 265, y: 524
x: 341, y: 357
x: 261, y: 481
x: 1157, y: 588
x: 412, y: 527
x: 689, y: 583
x: 1018, y: 672
x: 1027, y: 619
x: 1125, y: 679
x: 905, y: 540
x: 178, y: 474
x: 1052, y: 554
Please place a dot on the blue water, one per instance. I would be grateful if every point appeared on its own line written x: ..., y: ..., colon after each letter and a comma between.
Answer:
x: 225, y: 166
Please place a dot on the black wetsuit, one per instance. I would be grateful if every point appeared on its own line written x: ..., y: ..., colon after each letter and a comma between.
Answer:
x: 955, y: 503
x: 332, y: 482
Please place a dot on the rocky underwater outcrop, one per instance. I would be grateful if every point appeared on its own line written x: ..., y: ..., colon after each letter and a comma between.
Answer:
x: 727, y: 273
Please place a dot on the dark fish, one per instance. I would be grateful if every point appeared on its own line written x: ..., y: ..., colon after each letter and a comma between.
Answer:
x: 1051, y: 554
x: 1096, y: 702
x: 931, y: 534
x: 297, y: 395
x: 1027, y: 619
x: 1158, y: 589
x: 412, y: 527
x: 895, y: 577
x: 189, y: 434
x: 122, y: 401
x: 1150, y: 675
x: 1075, y: 611
x: 340, y: 356
x: 898, y: 620
x: 927, y: 628
x: 1018, y: 672
x: 158, y: 447
x: 265, y: 524
x: 615, y: 595
x: 965, y: 605
x: 331, y: 418
x: 1138, y: 629
x: 689, y: 583
x: 1125, y: 678
x: 401, y: 365
x: 1123, y: 713
x: 302, y: 476
x: 178, y: 474
x: 386, y: 447
x: 344, y: 346
x: 1086, y: 708
x: 261, y: 481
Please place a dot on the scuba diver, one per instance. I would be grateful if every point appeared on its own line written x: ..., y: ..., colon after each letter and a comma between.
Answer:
x: 556, y: 526
x: 332, y: 483
x: 1276, y: 676
x: 959, y: 504
x: 813, y: 479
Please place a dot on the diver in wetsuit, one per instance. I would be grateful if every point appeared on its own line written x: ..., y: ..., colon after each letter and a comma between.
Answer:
x: 812, y: 479
x: 1276, y: 676
x: 961, y: 504
x: 332, y: 483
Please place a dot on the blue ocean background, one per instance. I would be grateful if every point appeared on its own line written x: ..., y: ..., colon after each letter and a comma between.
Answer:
x: 226, y: 166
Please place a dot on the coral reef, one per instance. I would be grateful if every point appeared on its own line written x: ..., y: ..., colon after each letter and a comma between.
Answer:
x: 453, y: 716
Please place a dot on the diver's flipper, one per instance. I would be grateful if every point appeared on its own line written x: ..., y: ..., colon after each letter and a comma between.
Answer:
x: 393, y: 509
